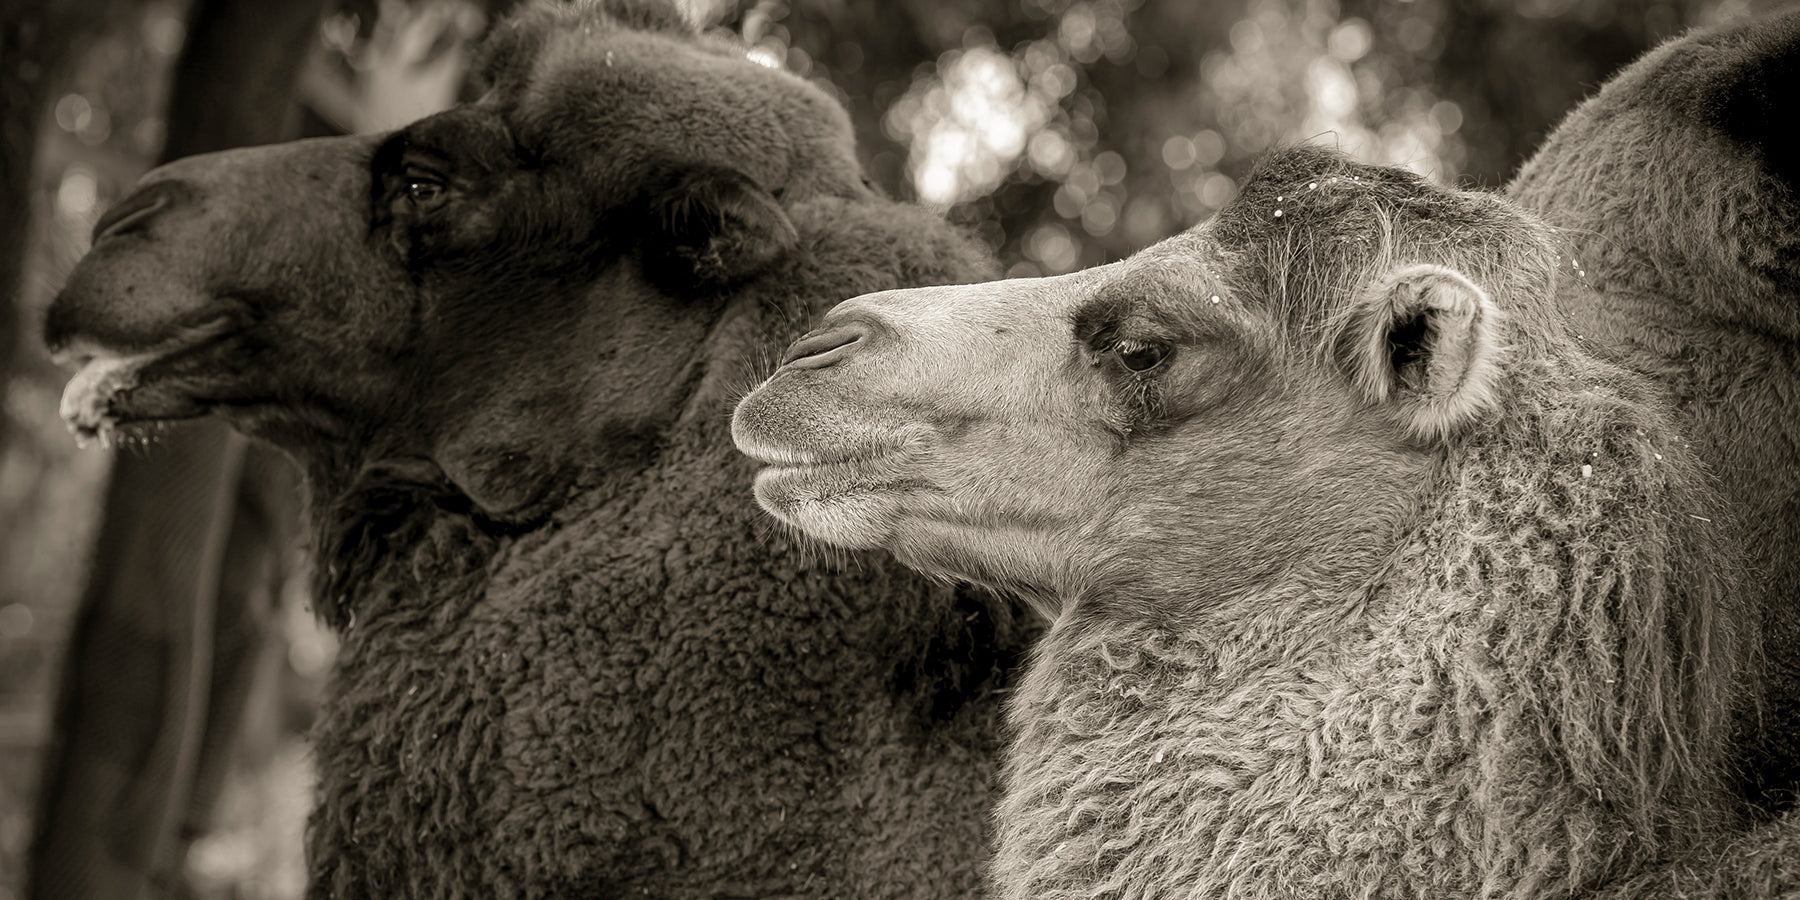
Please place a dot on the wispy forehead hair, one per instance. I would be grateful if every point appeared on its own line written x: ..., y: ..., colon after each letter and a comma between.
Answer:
x: 1171, y: 283
x: 1312, y: 228
x: 509, y: 55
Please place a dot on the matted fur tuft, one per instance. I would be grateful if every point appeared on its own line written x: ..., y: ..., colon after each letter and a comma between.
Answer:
x: 511, y: 51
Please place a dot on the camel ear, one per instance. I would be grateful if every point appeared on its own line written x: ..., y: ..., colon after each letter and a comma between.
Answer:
x: 1424, y: 346
x: 712, y: 227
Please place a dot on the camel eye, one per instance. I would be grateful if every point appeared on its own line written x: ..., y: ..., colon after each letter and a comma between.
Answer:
x: 423, y: 192
x: 1141, y: 357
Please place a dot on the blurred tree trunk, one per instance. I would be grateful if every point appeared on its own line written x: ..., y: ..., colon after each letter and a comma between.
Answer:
x: 189, y: 554
x: 37, y: 38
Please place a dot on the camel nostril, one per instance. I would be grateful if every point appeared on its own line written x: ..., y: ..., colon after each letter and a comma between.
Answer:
x: 822, y: 348
x: 134, y: 212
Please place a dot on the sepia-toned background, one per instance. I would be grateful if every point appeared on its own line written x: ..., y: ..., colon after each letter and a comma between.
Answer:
x: 1065, y: 132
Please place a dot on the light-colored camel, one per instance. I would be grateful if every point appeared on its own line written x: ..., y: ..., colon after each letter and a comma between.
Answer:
x: 1369, y: 577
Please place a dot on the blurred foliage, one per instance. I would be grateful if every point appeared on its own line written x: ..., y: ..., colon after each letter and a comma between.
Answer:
x: 105, y: 121
x: 1072, y: 132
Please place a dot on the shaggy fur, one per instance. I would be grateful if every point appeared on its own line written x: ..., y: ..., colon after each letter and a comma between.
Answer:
x: 575, y: 661
x: 1762, y: 862
x: 1678, y: 191
x: 1525, y: 700
x: 650, y: 694
x: 1472, y: 635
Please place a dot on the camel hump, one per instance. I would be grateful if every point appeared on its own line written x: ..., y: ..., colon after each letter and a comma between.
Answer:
x: 1740, y: 81
x: 1754, y: 99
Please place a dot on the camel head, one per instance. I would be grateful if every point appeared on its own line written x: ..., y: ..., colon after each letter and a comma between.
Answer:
x: 1241, y: 405
x: 518, y: 287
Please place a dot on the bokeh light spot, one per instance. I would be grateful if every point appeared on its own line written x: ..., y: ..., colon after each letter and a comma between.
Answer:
x: 1051, y: 245
x: 164, y: 31
x: 78, y: 194
x: 1350, y: 40
x: 1178, y: 152
x: 73, y: 112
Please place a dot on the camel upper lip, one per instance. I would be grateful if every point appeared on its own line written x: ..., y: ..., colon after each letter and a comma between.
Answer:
x: 785, y: 431
x: 798, y: 458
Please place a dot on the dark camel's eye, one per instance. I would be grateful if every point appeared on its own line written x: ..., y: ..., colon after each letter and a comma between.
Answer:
x: 423, y: 192
x: 1141, y: 357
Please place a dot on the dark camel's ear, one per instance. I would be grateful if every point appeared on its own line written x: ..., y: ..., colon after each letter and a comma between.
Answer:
x: 1424, y: 346
x: 712, y: 227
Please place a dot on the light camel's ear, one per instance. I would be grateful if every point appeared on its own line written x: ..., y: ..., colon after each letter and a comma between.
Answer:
x: 711, y: 227
x: 1424, y: 346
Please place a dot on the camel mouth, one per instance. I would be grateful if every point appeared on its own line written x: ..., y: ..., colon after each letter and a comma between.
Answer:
x: 845, y: 451
x: 114, y: 394
x: 840, y: 478
x: 850, y: 501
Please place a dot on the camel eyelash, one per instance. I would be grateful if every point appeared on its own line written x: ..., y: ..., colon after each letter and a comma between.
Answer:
x: 1138, y: 356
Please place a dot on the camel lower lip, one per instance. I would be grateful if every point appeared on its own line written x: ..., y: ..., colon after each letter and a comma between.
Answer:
x: 830, y: 478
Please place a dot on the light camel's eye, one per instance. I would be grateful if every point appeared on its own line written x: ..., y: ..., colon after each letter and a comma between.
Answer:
x: 1142, y: 357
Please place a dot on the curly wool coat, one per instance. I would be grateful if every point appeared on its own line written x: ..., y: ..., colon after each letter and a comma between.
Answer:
x: 654, y: 693
x: 1675, y: 189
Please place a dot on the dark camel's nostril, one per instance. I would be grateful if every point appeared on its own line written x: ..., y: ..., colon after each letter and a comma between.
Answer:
x: 135, y: 211
x: 822, y: 348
